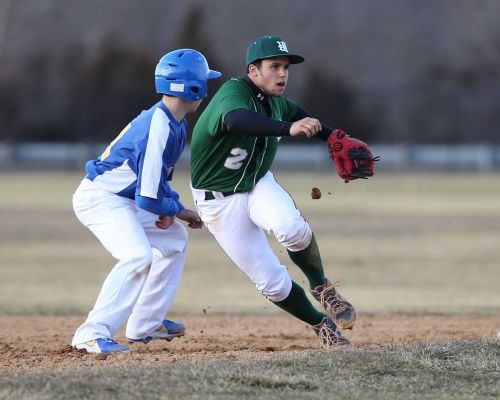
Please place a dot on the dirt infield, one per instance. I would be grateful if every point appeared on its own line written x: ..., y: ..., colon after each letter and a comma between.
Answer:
x: 34, y: 343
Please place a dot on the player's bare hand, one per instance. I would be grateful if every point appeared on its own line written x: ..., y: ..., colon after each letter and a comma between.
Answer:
x: 192, y: 218
x: 164, y: 222
x: 305, y: 127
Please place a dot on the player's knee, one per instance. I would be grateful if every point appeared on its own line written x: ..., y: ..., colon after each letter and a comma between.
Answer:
x: 138, y: 256
x: 278, y: 288
x: 294, y: 234
x: 142, y: 257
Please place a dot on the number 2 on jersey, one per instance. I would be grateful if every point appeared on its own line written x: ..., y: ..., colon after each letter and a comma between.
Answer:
x: 236, y: 161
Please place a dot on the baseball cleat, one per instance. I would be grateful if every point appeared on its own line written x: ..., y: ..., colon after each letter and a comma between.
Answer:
x: 338, y: 309
x: 167, y: 331
x: 330, y: 335
x: 102, y: 345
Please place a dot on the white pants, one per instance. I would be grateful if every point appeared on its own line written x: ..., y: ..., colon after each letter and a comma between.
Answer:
x: 238, y: 223
x: 142, y: 285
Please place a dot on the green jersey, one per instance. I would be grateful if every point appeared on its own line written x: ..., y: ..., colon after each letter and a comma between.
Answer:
x: 234, y: 162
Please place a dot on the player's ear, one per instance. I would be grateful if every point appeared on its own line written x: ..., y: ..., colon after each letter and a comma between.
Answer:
x: 253, y: 70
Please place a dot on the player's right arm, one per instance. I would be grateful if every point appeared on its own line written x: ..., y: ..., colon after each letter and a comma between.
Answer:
x: 159, y: 206
x: 324, y: 131
x: 252, y: 123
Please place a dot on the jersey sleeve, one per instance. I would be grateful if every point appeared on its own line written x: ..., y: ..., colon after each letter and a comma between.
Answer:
x: 229, y: 98
x: 246, y: 122
x: 150, y: 166
x: 160, y: 206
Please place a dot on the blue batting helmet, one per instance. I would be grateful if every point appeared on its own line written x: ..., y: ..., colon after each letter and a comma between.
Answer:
x: 183, y: 73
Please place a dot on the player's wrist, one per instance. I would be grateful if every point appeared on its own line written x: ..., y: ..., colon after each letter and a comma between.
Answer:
x: 285, y: 128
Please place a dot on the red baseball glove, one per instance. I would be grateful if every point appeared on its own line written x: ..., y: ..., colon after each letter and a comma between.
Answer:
x: 352, y: 157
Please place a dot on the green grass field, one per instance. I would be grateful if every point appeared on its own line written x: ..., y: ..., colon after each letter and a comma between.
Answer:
x: 410, y: 243
x: 399, y: 243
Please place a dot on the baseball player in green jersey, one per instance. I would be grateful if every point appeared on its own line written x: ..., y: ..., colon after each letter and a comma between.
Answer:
x: 233, y: 147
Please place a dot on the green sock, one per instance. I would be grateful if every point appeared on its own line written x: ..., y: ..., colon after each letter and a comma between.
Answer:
x: 309, y: 261
x: 299, y: 306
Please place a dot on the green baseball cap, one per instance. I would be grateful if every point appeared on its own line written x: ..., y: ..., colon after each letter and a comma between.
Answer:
x: 269, y: 47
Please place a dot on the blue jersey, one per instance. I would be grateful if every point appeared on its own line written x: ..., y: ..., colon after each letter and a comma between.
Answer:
x: 139, y: 162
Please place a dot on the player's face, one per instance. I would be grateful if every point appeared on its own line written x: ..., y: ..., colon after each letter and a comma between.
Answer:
x: 193, y: 106
x: 272, y: 75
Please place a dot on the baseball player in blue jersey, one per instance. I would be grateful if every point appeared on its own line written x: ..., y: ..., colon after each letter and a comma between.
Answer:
x: 127, y: 203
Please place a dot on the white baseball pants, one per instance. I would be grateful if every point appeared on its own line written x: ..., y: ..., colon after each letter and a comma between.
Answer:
x: 238, y: 223
x: 142, y: 285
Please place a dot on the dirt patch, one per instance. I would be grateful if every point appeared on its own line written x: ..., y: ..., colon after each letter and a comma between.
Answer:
x: 34, y: 343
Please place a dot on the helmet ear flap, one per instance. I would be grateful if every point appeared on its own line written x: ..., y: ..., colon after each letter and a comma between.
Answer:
x: 197, y: 89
